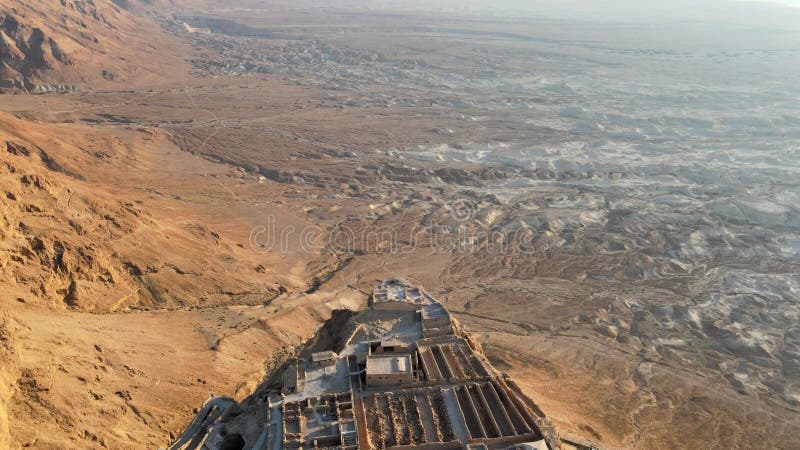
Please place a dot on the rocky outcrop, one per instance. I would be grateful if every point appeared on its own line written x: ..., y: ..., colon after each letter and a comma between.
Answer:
x: 8, y: 374
x: 26, y: 53
x: 65, y: 264
x: 52, y: 46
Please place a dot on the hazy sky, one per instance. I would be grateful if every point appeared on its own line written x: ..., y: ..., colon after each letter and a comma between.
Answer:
x: 795, y: 3
x: 784, y: 14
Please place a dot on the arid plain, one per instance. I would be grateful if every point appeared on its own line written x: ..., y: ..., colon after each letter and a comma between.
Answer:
x: 194, y: 188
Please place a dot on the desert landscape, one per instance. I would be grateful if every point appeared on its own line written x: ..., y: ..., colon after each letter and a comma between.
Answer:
x: 191, y: 189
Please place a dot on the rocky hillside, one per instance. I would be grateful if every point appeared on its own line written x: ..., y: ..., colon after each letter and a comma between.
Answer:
x: 71, y: 240
x: 60, y: 45
x: 129, y: 288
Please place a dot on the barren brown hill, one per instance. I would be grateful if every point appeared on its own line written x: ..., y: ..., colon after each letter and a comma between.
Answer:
x: 58, y: 45
x: 72, y: 239
x: 100, y: 220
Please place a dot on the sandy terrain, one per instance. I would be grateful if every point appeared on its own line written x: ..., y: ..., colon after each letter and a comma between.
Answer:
x: 611, y: 218
x: 90, y: 240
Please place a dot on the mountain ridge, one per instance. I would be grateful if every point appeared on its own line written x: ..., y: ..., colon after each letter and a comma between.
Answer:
x: 63, y: 45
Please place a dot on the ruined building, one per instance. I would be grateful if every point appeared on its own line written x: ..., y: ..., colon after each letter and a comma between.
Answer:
x: 407, y: 376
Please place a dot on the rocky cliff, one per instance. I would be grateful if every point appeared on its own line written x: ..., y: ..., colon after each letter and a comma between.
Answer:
x: 60, y: 45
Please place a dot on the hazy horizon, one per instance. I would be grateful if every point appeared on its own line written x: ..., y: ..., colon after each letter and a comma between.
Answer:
x: 779, y: 14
